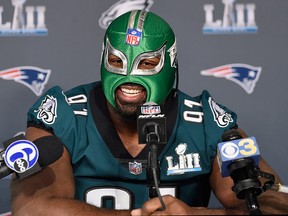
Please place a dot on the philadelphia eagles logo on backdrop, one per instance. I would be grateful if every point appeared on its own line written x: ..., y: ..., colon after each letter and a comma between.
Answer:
x: 122, y: 7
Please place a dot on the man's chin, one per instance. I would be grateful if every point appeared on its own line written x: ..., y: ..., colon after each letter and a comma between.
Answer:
x: 127, y: 111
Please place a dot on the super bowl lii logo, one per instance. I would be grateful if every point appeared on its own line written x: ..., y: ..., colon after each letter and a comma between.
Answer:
x: 26, y: 20
x: 238, y: 18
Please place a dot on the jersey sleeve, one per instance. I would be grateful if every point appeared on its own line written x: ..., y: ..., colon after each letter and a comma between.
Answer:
x: 217, y: 119
x: 52, y: 111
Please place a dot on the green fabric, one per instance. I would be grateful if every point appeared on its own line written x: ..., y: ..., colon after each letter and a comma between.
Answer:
x: 155, y: 34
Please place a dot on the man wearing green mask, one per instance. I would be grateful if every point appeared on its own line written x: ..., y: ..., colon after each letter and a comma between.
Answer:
x: 103, y: 168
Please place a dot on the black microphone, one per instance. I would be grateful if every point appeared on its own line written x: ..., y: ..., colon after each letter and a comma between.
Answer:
x: 238, y: 157
x: 151, y: 125
x: 25, y: 158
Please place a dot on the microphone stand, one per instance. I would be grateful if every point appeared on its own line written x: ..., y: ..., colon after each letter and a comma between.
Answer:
x: 247, y: 185
x: 153, y: 168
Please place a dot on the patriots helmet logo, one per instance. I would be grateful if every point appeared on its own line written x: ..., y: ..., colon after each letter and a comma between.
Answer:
x: 243, y: 74
x: 33, y: 77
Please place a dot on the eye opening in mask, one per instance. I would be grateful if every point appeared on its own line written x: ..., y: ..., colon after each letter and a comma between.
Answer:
x: 149, y: 63
x: 114, y: 60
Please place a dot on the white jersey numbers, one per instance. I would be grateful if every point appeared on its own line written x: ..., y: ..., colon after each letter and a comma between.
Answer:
x: 121, y: 198
x: 192, y: 116
x: 78, y: 99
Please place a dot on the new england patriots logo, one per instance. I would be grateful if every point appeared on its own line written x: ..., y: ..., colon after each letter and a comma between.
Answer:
x: 243, y: 74
x: 33, y: 77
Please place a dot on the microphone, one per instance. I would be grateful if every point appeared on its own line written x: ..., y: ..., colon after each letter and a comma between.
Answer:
x: 151, y: 123
x: 151, y: 126
x: 239, y: 158
x: 25, y: 158
x: 235, y: 148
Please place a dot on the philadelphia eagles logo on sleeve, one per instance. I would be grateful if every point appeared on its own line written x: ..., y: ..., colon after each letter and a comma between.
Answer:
x: 221, y: 117
x: 47, y: 110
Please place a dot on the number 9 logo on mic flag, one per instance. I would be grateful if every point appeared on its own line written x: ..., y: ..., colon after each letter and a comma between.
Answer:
x: 21, y: 155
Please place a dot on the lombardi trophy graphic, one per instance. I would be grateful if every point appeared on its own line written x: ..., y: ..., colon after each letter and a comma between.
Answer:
x: 228, y: 16
x: 18, y: 17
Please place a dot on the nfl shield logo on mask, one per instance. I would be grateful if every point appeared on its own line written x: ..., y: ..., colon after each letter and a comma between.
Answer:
x: 133, y: 37
x: 135, y: 168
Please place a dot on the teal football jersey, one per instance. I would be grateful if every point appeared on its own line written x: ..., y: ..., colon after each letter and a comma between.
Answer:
x: 106, y: 175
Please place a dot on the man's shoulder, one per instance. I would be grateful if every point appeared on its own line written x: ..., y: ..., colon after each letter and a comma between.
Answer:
x: 210, y: 107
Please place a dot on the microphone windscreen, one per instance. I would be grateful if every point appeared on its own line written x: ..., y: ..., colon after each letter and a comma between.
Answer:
x: 50, y: 149
x: 231, y: 134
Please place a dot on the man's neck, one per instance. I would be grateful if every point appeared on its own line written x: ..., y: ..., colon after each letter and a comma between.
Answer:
x: 127, y: 131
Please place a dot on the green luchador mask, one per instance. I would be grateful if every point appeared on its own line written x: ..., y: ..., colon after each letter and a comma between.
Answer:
x: 134, y: 36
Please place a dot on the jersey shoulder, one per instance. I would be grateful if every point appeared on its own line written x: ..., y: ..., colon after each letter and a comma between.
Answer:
x: 55, y: 109
x: 204, y: 109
